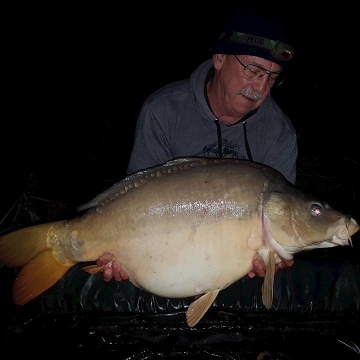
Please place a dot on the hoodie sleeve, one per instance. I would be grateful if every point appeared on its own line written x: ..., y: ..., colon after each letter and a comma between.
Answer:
x: 151, y: 144
x: 286, y: 157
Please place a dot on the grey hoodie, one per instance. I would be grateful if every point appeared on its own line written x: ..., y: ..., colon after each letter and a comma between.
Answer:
x: 176, y: 121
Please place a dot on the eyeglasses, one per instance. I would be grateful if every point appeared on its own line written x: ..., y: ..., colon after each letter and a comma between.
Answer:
x: 253, y: 71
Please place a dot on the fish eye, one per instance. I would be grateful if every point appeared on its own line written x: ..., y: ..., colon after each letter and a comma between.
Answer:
x: 316, y: 209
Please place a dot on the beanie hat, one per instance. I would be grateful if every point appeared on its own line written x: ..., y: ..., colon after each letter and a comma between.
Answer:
x: 250, y: 34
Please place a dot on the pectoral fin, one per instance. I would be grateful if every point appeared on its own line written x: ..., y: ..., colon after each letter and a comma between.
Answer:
x: 198, y: 308
x: 268, y: 284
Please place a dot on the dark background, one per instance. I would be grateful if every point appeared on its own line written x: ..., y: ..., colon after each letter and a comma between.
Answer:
x: 77, y: 76
x: 74, y: 80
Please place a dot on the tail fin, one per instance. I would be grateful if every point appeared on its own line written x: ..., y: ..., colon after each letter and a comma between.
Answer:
x: 19, y: 247
x: 28, y: 248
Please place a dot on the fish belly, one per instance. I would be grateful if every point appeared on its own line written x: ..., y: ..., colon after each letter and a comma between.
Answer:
x: 193, y: 260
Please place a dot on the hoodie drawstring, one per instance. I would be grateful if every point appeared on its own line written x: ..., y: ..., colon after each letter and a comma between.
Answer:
x: 219, y: 136
x: 248, y: 152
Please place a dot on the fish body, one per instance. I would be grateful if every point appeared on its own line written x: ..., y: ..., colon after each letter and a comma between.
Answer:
x: 190, y: 227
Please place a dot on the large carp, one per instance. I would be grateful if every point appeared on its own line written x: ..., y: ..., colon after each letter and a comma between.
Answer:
x: 190, y: 227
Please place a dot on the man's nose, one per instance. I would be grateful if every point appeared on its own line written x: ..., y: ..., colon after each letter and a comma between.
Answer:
x: 261, y: 81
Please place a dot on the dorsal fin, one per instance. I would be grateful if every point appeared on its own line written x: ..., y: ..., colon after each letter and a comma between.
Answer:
x: 139, y: 178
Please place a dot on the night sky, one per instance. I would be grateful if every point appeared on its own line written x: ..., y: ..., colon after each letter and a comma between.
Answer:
x: 76, y: 78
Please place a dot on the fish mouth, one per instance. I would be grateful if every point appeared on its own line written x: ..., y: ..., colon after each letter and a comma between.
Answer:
x: 343, y: 236
x: 336, y: 240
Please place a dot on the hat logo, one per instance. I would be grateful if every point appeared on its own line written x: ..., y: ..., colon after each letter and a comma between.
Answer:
x: 253, y: 40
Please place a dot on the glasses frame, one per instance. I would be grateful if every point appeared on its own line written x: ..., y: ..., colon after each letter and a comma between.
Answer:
x: 279, y: 80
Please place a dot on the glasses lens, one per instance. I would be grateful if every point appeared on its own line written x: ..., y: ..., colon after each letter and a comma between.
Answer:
x: 278, y: 81
x: 252, y: 71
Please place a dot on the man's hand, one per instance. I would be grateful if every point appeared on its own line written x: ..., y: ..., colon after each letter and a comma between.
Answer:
x: 111, y: 268
x: 259, y: 267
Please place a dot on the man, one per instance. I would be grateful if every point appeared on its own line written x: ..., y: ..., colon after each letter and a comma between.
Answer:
x: 224, y: 110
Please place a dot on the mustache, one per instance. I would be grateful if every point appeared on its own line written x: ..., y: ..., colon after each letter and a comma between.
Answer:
x: 251, y: 94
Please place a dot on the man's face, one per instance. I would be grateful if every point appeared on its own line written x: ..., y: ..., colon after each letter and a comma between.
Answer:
x: 244, y: 89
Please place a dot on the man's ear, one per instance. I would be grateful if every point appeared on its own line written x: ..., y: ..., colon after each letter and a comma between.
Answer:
x: 218, y: 60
